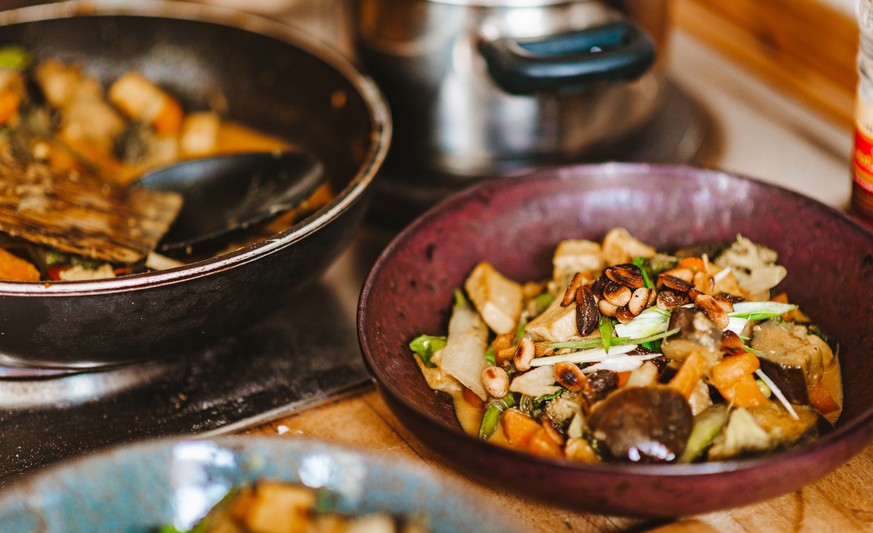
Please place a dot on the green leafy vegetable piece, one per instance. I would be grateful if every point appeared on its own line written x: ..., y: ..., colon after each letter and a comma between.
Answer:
x: 522, y: 324
x: 543, y: 300
x: 707, y: 426
x: 607, y: 328
x: 427, y: 345
x: 760, y: 310
x: 492, y: 415
x: 588, y: 344
x: 490, y: 356
x: 460, y: 301
x: 15, y: 57
x: 643, y: 266
x: 652, y: 321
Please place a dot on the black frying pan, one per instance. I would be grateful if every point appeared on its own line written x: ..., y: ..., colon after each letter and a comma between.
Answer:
x: 263, y: 74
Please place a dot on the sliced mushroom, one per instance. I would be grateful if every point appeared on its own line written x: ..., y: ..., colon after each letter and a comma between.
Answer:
x: 643, y: 424
x: 696, y: 333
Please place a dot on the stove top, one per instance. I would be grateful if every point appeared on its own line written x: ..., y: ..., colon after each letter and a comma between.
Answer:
x: 302, y: 353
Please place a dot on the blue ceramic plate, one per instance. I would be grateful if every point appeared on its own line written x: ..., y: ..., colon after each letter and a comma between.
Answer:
x: 137, y: 487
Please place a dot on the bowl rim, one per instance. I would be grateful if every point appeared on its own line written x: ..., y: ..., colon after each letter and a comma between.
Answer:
x: 380, y: 132
x: 859, y: 428
x: 244, y: 445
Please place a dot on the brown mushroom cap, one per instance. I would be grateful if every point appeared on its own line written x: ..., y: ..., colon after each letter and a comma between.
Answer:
x: 643, y: 424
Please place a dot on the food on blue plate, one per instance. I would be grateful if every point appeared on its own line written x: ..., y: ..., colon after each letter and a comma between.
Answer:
x: 268, y: 506
x: 631, y: 354
x: 62, y: 129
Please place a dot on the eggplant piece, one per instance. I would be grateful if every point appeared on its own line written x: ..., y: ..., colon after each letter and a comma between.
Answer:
x: 697, y: 333
x: 642, y: 424
x: 767, y: 428
x: 600, y: 384
x: 789, y: 358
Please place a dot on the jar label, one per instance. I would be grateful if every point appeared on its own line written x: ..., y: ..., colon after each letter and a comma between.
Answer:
x: 862, y: 159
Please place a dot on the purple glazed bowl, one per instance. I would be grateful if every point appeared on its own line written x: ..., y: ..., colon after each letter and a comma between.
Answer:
x: 515, y: 223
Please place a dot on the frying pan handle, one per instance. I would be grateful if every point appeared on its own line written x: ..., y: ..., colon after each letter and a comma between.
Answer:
x: 568, y: 62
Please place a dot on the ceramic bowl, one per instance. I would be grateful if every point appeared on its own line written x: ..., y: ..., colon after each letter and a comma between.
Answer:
x: 515, y: 224
x: 136, y: 488
x: 271, y: 77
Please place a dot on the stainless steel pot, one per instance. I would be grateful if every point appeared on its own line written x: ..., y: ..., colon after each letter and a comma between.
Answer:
x: 479, y: 87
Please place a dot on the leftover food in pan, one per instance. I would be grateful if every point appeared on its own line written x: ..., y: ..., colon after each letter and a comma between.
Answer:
x: 68, y: 141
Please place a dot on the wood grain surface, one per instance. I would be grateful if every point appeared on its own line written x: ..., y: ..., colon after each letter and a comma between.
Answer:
x: 840, y: 502
x: 804, y: 48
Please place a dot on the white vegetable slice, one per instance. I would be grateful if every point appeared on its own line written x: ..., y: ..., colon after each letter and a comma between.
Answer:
x: 463, y: 356
x: 557, y: 323
x: 585, y: 356
x: 497, y: 297
x: 537, y: 382
x: 620, y: 363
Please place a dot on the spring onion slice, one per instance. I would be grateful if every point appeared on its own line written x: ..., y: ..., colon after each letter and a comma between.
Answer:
x: 782, y: 399
x: 640, y: 262
x: 594, y: 355
x: 744, y: 312
x: 585, y: 344
x: 760, y: 310
x: 607, y: 331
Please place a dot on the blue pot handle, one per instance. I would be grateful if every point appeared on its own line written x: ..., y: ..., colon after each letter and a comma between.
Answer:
x: 614, y: 52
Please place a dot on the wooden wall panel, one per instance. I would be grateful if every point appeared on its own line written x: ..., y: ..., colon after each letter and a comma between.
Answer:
x: 804, y: 48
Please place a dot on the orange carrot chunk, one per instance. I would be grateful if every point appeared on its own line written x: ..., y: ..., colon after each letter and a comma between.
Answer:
x: 694, y: 263
x: 14, y: 268
x: 689, y: 374
x: 734, y: 378
x: 518, y: 428
x: 543, y: 445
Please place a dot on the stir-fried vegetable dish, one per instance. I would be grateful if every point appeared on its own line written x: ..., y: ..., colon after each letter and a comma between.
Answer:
x: 282, y: 507
x: 64, y: 133
x: 631, y: 354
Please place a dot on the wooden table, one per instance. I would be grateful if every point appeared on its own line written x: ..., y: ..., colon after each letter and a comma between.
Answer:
x: 840, y: 502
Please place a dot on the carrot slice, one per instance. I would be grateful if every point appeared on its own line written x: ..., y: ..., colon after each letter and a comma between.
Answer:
x: 518, y: 428
x: 543, y: 445
x: 734, y: 378
x: 9, y: 104
x: 694, y: 263
x: 14, y: 268
x: 733, y: 367
x: 169, y: 119
x: 820, y: 398
x: 689, y: 374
